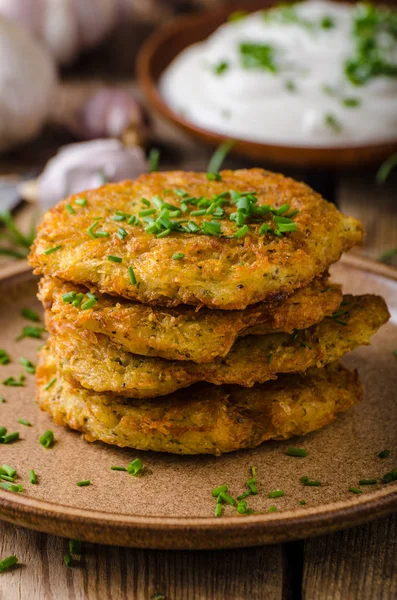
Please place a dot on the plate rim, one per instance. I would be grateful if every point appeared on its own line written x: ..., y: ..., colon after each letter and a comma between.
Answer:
x: 292, y: 155
x: 158, y: 532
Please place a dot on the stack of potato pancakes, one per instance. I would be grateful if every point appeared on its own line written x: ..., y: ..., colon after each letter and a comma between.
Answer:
x: 192, y: 313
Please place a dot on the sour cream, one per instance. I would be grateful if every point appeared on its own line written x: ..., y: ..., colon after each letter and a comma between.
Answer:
x: 282, y: 76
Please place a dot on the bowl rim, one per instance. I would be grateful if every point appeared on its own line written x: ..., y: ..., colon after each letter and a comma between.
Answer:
x: 149, y: 84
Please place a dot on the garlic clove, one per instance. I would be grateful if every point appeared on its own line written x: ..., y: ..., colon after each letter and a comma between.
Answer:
x: 27, y: 84
x: 86, y: 165
x: 115, y: 113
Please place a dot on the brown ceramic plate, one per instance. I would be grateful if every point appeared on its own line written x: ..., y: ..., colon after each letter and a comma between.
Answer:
x: 171, y: 505
x: 166, y: 43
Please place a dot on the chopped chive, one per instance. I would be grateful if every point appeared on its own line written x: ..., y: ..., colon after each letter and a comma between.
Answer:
x: 147, y: 212
x: 218, y: 509
x: 272, y: 509
x: 145, y: 201
x: 241, y: 232
x: 224, y: 497
x: 193, y: 227
x: 12, y: 382
x: 218, y: 490
x: 264, y: 228
x: 163, y: 233
x: 7, y: 470
x: 74, y: 546
x: 386, y: 168
x: 180, y: 193
x: 69, y: 297
x: 213, y: 176
x: 131, y: 275
x: 115, y: 259
x: 3, y: 431
x: 351, y: 102
x: 81, y: 201
x: 242, y: 507
x: 32, y: 477
x: 211, y: 228
x: 29, y: 366
x: 11, y: 487
x: 7, y: 478
x: 269, y: 358
x: 367, y: 481
x: 384, y: 454
x: 7, y: 563
x: 70, y: 209
x: 27, y: 313
x: 78, y: 300
x: 154, y: 160
x: 219, y: 156
x: 68, y: 560
x: 25, y: 422
x: 118, y: 468
x: 47, y: 439
x: 302, y: 502
x: 389, y: 477
x: 135, y: 467
x: 50, y: 383
x: 244, y: 495
x: 276, y: 494
x: 84, y: 483
x: 285, y: 227
x: 89, y: 303
x: 94, y: 233
x: 32, y: 332
x: 5, y: 358
x: 91, y: 228
x: 51, y: 250
x: 218, y: 69
x: 332, y: 122
x: 301, y: 452
x: 355, y: 490
x: 309, y: 482
x: 178, y: 256
x: 198, y: 213
x: 121, y: 233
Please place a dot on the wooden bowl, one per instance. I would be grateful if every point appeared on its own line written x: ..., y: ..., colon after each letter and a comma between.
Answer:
x: 167, y: 42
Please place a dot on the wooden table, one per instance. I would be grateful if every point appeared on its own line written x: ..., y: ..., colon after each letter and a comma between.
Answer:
x: 360, y: 563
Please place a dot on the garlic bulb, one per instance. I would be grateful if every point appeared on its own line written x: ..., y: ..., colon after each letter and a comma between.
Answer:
x: 115, y: 113
x: 87, y: 165
x: 65, y: 26
x: 27, y: 85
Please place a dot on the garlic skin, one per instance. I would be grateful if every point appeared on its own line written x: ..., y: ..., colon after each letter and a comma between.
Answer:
x: 65, y: 27
x: 86, y: 165
x: 27, y: 85
x: 113, y: 113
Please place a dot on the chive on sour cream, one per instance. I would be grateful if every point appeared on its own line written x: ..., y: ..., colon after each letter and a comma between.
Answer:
x: 315, y: 73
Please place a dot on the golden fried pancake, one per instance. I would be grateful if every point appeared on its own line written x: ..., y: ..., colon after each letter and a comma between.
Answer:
x: 171, y: 256
x: 203, y: 419
x: 94, y: 362
x: 183, y: 333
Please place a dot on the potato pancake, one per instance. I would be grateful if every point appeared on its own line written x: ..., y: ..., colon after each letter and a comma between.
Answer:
x: 183, y: 333
x: 203, y: 419
x: 176, y: 238
x: 94, y: 362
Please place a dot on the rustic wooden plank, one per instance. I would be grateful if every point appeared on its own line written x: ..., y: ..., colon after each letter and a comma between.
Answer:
x: 357, y: 563
x: 126, y: 573
x: 375, y: 205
